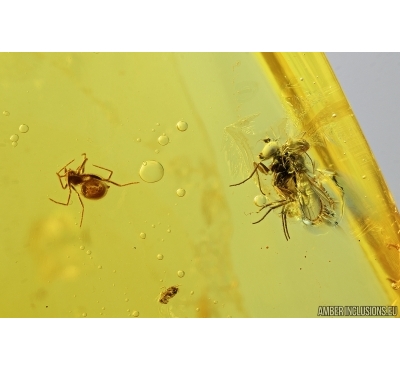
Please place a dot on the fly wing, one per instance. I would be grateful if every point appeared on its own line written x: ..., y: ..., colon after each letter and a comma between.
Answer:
x: 237, y: 149
x: 309, y: 200
x: 316, y: 204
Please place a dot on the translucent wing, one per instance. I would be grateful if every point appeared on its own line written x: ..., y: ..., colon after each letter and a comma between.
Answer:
x: 237, y: 148
x: 316, y: 203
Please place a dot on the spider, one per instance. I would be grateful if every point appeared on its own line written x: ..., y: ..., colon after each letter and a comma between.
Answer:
x: 91, y: 186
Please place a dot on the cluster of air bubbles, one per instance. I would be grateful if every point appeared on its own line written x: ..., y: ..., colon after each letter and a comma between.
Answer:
x: 23, y: 129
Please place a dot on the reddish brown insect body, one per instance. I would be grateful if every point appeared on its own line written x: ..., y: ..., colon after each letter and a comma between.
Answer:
x: 90, y: 186
x: 167, y: 294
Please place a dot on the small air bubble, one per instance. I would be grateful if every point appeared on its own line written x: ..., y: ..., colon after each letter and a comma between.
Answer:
x: 260, y: 200
x: 181, y: 273
x: 157, y: 124
x: 99, y: 266
x: 135, y: 313
x: 14, y: 137
x: 14, y: 143
x: 153, y: 130
x: 160, y: 257
x: 142, y: 235
x: 6, y: 113
x: 126, y: 299
x: 163, y: 139
x: 191, y: 292
x: 181, y: 192
x: 364, y: 177
x: 334, y: 115
x: 168, y: 230
x: 151, y: 171
x: 81, y: 247
x: 84, y: 314
x: 23, y: 129
x: 153, y: 226
x: 157, y: 151
x: 215, y: 302
x: 138, y: 139
x: 197, y: 309
x: 301, y: 78
x: 182, y: 126
x: 88, y: 252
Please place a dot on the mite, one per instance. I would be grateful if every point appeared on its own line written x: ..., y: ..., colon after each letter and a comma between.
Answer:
x: 88, y: 185
x: 167, y: 294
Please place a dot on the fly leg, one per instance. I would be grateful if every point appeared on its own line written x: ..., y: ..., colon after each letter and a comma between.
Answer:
x: 257, y: 166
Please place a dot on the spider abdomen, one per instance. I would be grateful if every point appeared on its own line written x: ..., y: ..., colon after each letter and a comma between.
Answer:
x: 94, y: 189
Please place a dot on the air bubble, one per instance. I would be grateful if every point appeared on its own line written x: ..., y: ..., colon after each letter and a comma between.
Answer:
x: 157, y: 124
x: 138, y: 139
x: 157, y: 151
x: 81, y: 247
x: 260, y: 200
x: 14, y: 137
x: 14, y: 143
x: 6, y: 113
x: 182, y: 126
x: 142, y: 235
x: 163, y: 139
x: 99, y: 267
x: 160, y: 257
x: 88, y: 252
x: 84, y: 314
x: 126, y: 299
x: 333, y: 115
x: 23, y: 129
x: 151, y: 171
x: 181, y: 273
x: 364, y: 177
x: 191, y: 292
x: 168, y: 230
x: 181, y: 192
x: 135, y: 313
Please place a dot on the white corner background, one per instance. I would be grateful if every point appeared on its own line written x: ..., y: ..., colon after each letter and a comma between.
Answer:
x: 371, y: 83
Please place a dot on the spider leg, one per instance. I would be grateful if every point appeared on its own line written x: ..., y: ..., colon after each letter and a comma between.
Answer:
x: 114, y: 183
x: 59, y: 178
x: 106, y: 169
x: 81, y: 169
x: 64, y: 204
x: 83, y: 207
x: 65, y: 167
